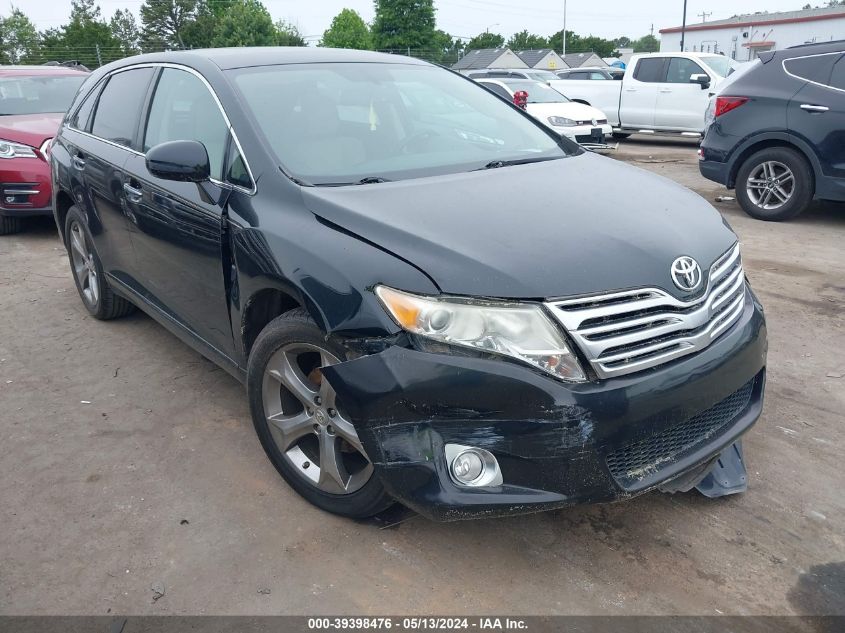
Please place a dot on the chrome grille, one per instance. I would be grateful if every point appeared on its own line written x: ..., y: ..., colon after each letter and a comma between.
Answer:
x: 631, y: 330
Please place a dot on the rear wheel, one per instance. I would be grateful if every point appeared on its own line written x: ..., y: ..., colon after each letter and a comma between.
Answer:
x: 96, y: 294
x: 775, y: 184
x: 302, y: 425
x: 10, y: 225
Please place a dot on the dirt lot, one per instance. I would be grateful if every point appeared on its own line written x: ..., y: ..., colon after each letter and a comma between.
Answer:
x: 128, y: 460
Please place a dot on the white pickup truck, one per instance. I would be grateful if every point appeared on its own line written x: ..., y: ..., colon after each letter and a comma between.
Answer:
x: 660, y: 93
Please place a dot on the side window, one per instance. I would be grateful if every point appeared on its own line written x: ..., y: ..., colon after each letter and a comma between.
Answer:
x: 237, y: 173
x: 119, y: 105
x: 650, y: 70
x: 814, y: 68
x: 497, y: 90
x: 82, y: 118
x: 837, y: 79
x: 597, y: 75
x: 184, y: 110
x: 681, y: 69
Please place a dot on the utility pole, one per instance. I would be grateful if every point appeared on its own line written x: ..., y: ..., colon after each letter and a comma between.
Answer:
x: 563, y: 48
x: 704, y: 16
x: 99, y: 57
x: 684, y: 26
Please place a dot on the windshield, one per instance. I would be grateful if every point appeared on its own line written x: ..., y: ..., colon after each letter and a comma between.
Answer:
x: 346, y: 122
x: 38, y: 94
x: 722, y: 66
x: 537, y: 92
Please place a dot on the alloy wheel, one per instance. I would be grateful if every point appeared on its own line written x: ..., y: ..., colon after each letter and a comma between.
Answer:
x: 83, y: 265
x: 770, y: 185
x: 309, y: 429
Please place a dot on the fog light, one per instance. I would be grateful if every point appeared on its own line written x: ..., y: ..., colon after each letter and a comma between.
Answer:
x: 470, y: 466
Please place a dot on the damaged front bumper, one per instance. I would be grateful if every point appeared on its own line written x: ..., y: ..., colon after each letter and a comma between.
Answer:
x: 557, y: 444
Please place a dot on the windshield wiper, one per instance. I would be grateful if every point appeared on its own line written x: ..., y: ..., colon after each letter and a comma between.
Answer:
x: 369, y: 180
x: 495, y: 164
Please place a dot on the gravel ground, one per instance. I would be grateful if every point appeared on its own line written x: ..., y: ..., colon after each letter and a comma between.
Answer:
x: 131, y: 480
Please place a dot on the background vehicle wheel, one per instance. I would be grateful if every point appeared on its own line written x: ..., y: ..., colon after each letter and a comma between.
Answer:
x: 620, y: 136
x: 94, y: 290
x: 774, y: 184
x: 10, y: 225
x: 302, y: 426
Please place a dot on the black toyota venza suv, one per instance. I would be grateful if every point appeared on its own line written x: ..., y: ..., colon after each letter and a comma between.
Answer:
x: 424, y: 300
x: 776, y: 131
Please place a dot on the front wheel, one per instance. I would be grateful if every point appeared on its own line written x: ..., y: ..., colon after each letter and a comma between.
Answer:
x: 774, y: 184
x: 10, y: 225
x: 301, y: 424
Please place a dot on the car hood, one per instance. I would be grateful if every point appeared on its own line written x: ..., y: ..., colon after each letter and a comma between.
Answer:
x: 29, y: 129
x: 571, y: 110
x: 542, y: 230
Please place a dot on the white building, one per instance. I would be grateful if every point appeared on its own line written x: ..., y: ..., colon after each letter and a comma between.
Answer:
x: 743, y: 37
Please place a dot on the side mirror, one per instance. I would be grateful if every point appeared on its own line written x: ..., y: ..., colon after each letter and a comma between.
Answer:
x: 185, y: 161
x: 701, y: 80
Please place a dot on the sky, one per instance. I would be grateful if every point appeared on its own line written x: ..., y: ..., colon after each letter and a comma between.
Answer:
x: 466, y: 18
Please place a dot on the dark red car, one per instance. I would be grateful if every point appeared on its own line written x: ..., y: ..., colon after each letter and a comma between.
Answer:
x: 33, y: 100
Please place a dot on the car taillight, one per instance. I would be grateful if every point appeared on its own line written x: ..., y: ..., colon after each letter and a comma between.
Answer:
x: 726, y: 104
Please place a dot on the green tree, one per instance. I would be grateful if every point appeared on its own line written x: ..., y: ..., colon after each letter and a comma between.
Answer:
x: 403, y: 24
x: 646, y: 44
x: 164, y: 22
x: 348, y: 30
x: 86, y: 38
x: 245, y: 23
x: 525, y: 41
x: 622, y: 42
x: 125, y: 30
x: 18, y: 38
x: 577, y: 44
x: 485, y: 40
x: 288, y: 35
x: 446, y: 50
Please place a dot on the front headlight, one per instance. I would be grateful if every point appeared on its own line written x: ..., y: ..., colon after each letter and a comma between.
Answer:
x: 8, y: 149
x: 561, y: 121
x: 521, y: 331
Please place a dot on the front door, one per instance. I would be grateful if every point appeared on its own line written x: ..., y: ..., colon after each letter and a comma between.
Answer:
x: 681, y: 104
x: 178, y: 236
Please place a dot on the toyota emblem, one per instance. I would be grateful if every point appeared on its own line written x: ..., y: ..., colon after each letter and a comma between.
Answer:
x: 686, y: 273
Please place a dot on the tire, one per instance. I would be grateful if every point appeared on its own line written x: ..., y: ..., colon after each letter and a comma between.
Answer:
x: 763, y: 181
x: 620, y: 136
x: 8, y: 225
x: 293, y: 342
x: 87, y: 270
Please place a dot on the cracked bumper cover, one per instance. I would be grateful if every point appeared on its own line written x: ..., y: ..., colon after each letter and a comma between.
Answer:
x: 551, y: 438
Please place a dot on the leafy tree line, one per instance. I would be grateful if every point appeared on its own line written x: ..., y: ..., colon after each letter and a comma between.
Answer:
x: 400, y: 26
x: 90, y: 39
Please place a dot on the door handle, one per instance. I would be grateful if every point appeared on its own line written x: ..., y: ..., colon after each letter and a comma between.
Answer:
x: 630, y: 89
x: 134, y: 194
x: 78, y: 161
x: 807, y: 107
x: 665, y: 90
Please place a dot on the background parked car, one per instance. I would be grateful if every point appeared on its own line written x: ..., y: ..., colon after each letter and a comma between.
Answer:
x: 534, y: 74
x: 592, y: 74
x: 776, y: 132
x: 581, y: 123
x: 33, y: 100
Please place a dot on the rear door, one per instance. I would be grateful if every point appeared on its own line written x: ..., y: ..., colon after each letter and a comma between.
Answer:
x: 101, y: 137
x: 816, y: 114
x: 178, y: 236
x: 680, y: 104
x: 639, y: 92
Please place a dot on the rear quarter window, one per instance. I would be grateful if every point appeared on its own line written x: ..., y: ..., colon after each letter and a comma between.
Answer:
x: 816, y: 68
x: 837, y: 77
